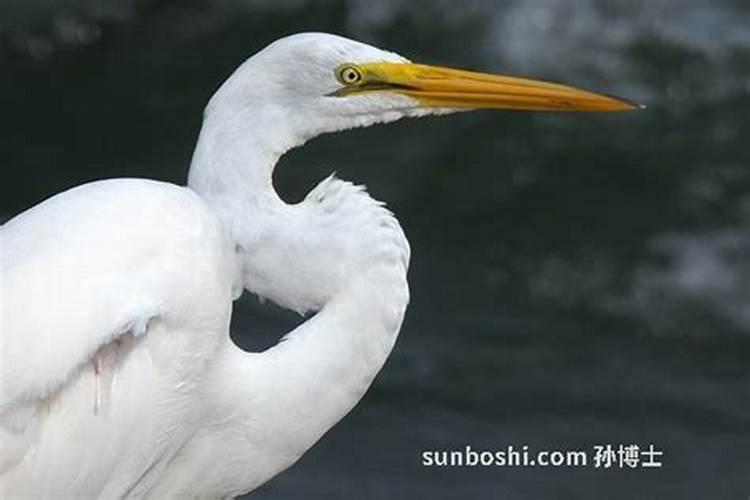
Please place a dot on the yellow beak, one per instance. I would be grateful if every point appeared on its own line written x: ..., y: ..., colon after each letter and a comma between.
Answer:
x: 436, y: 86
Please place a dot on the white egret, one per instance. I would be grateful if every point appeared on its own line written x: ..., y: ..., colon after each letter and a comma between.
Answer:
x: 117, y: 374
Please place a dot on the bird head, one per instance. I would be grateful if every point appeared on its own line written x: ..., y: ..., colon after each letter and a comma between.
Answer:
x: 324, y: 83
x: 308, y: 84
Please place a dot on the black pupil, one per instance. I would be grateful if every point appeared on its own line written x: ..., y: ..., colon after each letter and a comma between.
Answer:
x: 350, y: 75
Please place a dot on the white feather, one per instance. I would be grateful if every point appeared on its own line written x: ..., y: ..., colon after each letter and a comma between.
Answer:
x: 137, y: 278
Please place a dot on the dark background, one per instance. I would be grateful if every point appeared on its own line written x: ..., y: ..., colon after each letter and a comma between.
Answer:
x: 576, y: 279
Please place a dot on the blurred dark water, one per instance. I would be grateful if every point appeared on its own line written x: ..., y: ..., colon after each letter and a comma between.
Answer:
x: 576, y: 279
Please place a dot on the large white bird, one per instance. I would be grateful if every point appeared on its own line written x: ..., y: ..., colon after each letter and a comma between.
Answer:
x: 117, y: 374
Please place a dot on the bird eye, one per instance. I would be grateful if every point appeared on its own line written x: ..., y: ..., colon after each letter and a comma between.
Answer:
x: 349, y: 74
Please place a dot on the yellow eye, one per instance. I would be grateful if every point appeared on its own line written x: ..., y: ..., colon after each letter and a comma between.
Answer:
x: 349, y: 74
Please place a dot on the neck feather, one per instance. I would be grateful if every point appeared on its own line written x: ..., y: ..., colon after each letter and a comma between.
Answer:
x: 269, y: 407
x: 234, y: 159
x: 282, y: 401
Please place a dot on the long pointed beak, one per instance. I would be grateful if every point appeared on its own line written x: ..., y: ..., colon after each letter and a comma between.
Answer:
x: 436, y: 86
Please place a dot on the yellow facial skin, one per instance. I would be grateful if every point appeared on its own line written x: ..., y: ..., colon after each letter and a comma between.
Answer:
x: 435, y: 86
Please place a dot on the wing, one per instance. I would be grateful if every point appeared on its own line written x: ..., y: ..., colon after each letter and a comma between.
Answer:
x: 87, y: 266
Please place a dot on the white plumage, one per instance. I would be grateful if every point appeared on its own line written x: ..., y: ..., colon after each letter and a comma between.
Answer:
x: 117, y: 375
x: 136, y: 265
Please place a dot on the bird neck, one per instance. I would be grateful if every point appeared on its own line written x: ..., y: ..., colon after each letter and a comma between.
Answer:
x: 233, y: 162
x: 232, y: 170
x: 338, y: 252
x: 280, y: 402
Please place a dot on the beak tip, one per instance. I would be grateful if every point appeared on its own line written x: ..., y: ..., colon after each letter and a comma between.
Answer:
x: 633, y: 106
x: 625, y: 104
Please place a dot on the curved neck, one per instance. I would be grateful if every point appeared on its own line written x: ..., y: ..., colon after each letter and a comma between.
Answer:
x: 232, y: 170
x: 286, y: 398
x: 233, y: 163
x: 269, y: 407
